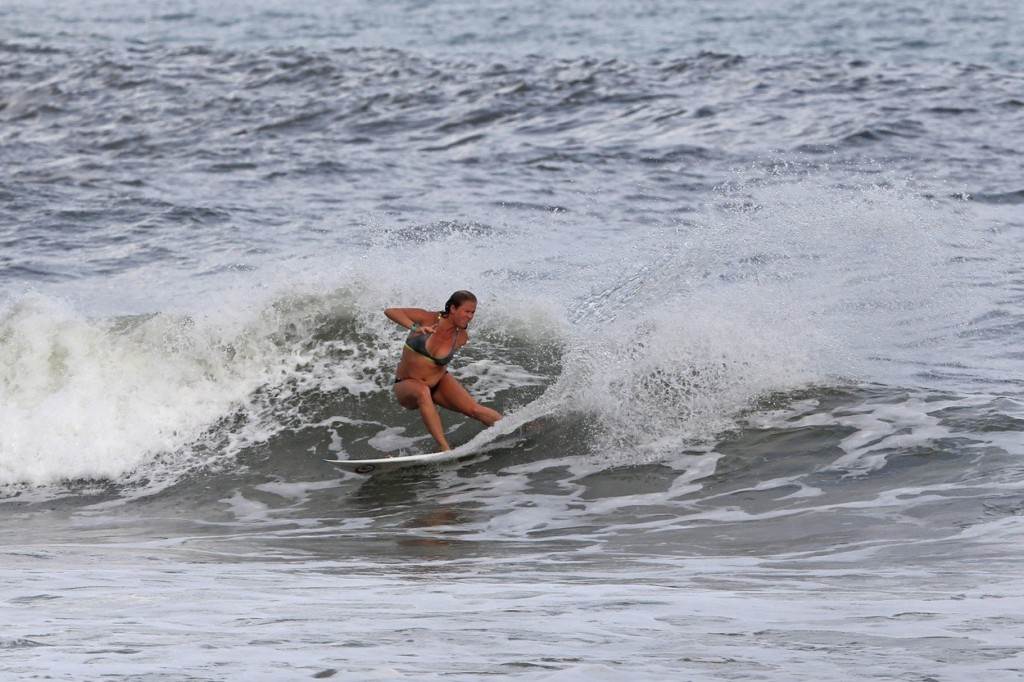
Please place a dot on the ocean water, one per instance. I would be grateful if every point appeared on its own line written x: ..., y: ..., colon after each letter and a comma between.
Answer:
x: 753, y: 269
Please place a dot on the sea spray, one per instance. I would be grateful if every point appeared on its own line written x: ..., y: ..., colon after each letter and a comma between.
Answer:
x: 782, y: 282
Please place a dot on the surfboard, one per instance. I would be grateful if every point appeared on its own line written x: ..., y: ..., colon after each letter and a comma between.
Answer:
x: 381, y: 464
x: 474, y: 446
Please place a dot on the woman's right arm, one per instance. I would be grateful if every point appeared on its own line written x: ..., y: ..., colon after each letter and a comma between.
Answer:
x: 406, y: 317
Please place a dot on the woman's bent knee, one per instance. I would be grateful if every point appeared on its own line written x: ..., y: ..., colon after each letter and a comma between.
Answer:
x: 413, y: 395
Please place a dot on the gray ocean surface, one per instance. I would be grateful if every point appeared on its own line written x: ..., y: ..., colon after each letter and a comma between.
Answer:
x: 750, y: 285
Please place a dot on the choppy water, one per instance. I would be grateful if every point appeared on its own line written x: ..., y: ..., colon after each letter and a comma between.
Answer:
x: 756, y: 267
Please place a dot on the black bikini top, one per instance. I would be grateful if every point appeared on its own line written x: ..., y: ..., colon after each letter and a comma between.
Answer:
x: 417, y: 342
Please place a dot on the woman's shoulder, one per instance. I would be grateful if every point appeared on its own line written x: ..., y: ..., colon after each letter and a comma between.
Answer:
x: 425, y: 316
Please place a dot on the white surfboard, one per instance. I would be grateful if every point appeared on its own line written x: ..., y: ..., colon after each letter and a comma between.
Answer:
x: 475, y: 445
x: 380, y: 464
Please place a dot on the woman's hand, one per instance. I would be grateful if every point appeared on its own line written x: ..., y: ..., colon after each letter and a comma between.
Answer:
x: 426, y: 329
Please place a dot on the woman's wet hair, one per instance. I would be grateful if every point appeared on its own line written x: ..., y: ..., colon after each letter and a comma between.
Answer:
x: 457, y: 299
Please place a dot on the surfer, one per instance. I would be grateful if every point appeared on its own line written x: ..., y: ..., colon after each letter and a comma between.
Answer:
x: 422, y: 381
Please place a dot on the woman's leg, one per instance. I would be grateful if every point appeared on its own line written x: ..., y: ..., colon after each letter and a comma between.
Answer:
x: 450, y: 394
x: 413, y: 394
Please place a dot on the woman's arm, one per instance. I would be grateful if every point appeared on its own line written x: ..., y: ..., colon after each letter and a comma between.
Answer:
x: 406, y: 317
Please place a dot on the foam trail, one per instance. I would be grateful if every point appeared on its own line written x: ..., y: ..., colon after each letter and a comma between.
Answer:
x: 780, y: 285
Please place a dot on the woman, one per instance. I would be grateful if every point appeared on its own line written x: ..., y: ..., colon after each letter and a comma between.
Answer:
x: 421, y: 381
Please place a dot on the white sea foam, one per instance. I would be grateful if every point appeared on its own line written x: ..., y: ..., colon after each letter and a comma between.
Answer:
x: 85, y: 399
x: 101, y: 399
